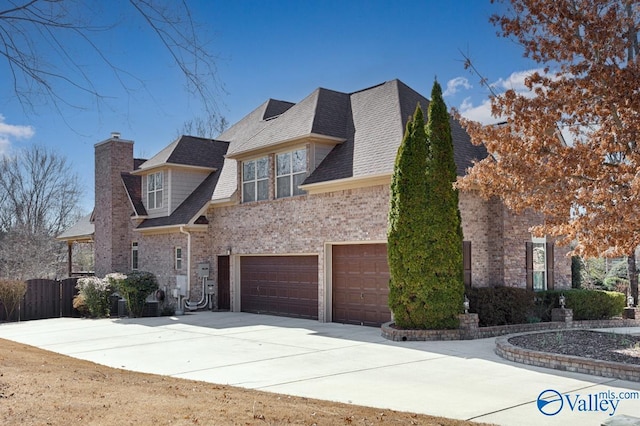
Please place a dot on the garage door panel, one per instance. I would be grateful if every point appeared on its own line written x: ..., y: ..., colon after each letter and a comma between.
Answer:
x: 280, y: 285
x: 360, y: 284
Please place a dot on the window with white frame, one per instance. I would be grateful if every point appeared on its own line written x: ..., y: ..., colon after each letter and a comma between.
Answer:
x: 539, y: 264
x: 291, y: 171
x: 255, y: 180
x: 154, y: 190
x: 178, y: 257
x: 134, y: 255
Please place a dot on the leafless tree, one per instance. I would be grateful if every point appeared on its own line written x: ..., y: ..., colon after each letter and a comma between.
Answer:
x: 39, y: 195
x: 208, y: 127
x: 36, y: 35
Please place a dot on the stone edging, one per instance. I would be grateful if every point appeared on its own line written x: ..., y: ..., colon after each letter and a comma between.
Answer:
x: 469, y: 330
x: 616, y: 370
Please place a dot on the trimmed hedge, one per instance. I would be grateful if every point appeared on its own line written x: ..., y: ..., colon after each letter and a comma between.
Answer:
x: 509, y: 305
x: 501, y: 305
x: 586, y: 304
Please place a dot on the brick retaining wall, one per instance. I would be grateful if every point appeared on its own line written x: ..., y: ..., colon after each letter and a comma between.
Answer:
x: 470, y: 331
x: 575, y: 364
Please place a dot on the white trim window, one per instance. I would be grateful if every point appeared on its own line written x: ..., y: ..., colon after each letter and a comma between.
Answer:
x: 155, y: 185
x: 291, y: 171
x: 134, y: 256
x: 178, y: 258
x: 539, y: 264
x: 255, y: 180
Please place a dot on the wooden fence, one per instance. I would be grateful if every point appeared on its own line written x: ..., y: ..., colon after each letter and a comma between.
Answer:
x: 45, y: 299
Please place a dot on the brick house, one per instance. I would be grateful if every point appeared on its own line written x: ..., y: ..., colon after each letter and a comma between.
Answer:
x: 288, y: 210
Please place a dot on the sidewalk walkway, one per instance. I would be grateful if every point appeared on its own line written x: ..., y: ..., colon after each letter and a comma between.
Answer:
x: 352, y: 364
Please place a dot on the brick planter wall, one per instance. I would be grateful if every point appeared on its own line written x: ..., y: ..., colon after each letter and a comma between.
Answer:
x: 616, y: 370
x: 469, y: 332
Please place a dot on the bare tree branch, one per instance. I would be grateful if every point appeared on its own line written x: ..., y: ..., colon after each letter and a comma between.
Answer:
x: 35, y: 41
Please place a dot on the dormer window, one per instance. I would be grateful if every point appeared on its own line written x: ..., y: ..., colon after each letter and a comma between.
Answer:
x: 255, y: 180
x: 154, y: 190
x: 291, y: 171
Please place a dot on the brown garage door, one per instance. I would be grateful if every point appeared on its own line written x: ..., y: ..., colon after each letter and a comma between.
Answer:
x: 280, y: 285
x: 360, y: 284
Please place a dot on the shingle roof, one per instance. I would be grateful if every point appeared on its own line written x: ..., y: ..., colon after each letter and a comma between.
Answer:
x: 379, y: 117
x: 371, y: 122
x: 81, y: 230
x: 133, y: 186
x: 186, y: 151
x: 273, y: 108
x: 322, y: 113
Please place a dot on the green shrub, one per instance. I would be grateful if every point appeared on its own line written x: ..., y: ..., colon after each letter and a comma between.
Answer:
x: 135, y: 288
x: 502, y: 305
x: 586, y: 304
x: 95, y: 294
x: 11, y: 294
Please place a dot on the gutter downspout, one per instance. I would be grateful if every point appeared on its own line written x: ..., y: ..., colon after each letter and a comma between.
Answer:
x: 187, y: 303
x: 188, y: 234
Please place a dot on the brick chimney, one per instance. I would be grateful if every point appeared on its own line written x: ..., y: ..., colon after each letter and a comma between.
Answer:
x: 112, y: 209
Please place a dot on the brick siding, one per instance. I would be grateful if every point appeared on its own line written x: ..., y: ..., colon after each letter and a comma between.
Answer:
x: 305, y: 224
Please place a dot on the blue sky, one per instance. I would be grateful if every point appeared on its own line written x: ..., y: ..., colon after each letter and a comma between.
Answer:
x: 267, y: 49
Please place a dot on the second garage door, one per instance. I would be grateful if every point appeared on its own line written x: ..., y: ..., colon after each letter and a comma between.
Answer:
x: 280, y: 285
x: 360, y: 284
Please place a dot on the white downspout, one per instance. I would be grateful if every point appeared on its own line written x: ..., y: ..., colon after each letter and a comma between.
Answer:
x: 187, y: 303
x: 182, y: 231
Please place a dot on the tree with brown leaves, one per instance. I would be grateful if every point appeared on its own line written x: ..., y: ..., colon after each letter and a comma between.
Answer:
x: 569, y: 146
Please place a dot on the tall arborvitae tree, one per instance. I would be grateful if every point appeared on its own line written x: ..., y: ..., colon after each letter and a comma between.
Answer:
x: 425, y: 236
x: 406, y: 239
x: 444, y: 275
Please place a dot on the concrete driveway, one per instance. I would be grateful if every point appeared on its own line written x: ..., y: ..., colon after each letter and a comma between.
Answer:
x: 352, y: 364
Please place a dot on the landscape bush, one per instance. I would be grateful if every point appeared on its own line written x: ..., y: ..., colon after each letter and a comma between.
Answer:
x: 80, y: 305
x: 95, y: 294
x: 502, y: 305
x: 11, y: 294
x: 135, y: 287
x: 586, y: 304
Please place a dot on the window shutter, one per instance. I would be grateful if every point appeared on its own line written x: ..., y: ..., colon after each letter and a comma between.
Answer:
x: 529, y: 264
x: 466, y: 262
x: 550, y: 266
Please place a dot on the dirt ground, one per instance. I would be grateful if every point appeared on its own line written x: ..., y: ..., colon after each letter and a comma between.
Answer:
x: 44, y: 388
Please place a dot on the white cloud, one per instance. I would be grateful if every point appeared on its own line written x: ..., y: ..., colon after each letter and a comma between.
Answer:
x: 454, y: 85
x: 482, y: 111
x: 12, y: 131
x: 515, y: 81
